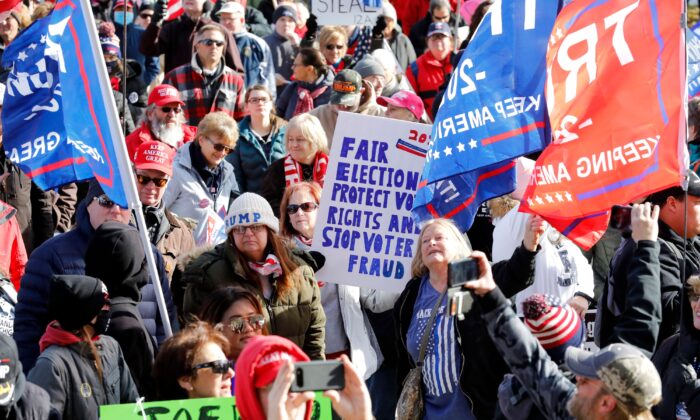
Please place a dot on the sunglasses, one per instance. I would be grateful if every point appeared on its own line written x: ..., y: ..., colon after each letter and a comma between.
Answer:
x: 240, y: 230
x: 219, y: 147
x: 145, y: 15
x: 334, y: 47
x: 144, y: 180
x: 167, y: 109
x: 217, y: 366
x: 256, y: 322
x: 105, y: 202
x: 307, y: 207
x: 209, y: 42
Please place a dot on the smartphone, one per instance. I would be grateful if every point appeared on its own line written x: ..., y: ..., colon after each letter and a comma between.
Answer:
x: 621, y: 217
x: 318, y: 375
x: 462, y: 271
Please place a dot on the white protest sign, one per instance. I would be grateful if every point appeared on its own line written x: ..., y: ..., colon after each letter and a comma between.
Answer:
x: 346, y: 12
x: 364, y: 226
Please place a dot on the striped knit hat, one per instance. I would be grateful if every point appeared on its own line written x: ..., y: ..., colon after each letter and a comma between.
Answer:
x: 557, y: 327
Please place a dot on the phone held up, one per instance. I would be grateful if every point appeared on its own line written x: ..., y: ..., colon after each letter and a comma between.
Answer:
x: 621, y: 218
x: 318, y: 375
x: 459, y: 272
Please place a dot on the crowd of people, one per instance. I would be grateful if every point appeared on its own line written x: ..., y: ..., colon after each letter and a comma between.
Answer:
x: 229, y: 112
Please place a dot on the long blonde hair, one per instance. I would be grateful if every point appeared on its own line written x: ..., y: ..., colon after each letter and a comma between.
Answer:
x: 418, y: 269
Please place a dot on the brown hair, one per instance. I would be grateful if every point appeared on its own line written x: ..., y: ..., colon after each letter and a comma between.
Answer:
x: 177, y: 354
x: 261, y: 88
x: 313, y: 57
x: 218, y: 302
x: 86, y: 335
x: 286, y: 228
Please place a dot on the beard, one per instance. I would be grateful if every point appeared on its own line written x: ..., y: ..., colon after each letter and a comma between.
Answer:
x: 170, y: 135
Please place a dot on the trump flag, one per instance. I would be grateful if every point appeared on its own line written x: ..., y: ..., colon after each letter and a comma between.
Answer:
x: 615, y: 94
x: 59, y: 121
x: 492, y: 112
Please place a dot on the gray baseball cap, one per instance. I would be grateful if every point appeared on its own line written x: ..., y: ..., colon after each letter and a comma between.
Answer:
x: 347, y: 88
x: 624, y: 370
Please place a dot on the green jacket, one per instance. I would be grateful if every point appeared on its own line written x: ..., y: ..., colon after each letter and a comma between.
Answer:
x: 298, y: 316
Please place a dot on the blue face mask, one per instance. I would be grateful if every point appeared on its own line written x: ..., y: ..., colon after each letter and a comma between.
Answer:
x: 119, y: 17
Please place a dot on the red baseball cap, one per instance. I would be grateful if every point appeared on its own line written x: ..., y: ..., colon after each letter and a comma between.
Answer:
x: 123, y: 3
x: 155, y: 155
x: 163, y: 95
x: 405, y: 99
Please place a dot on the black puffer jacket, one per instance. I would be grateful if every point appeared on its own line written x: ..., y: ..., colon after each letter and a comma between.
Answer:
x: 482, y: 368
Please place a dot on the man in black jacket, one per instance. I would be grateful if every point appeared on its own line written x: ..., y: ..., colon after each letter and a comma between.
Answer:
x: 672, y: 228
x: 19, y: 399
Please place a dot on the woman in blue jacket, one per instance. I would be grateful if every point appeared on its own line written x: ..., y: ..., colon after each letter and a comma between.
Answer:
x: 311, y: 87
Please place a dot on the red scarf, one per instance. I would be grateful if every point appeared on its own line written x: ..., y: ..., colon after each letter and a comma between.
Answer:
x: 293, y: 174
x: 271, y: 265
x: 59, y: 337
x: 305, y: 101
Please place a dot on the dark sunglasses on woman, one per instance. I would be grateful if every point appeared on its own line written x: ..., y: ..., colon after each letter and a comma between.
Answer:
x: 217, y: 366
x: 159, y: 182
x: 256, y: 322
x: 307, y: 207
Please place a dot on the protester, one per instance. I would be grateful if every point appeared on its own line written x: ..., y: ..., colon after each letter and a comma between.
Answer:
x: 473, y: 366
x: 261, y: 140
x: 476, y: 18
x: 111, y: 51
x: 694, y: 130
x: 10, y: 27
x: 13, y: 255
x: 350, y: 94
x: 143, y: 19
x: 164, y: 121
x: 333, y: 44
x: 136, y: 24
x: 283, y: 43
x: 619, y: 290
x: 256, y: 258
x: 372, y: 72
x: 65, y: 254
x: 202, y: 180
x: 399, y: 43
x: 79, y: 366
x: 403, y: 105
x: 252, y: 51
x: 193, y: 364
x: 255, y: 21
x: 153, y: 167
x: 306, y: 160
x: 212, y: 85
x: 238, y: 314
x: 115, y: 255
x: 439, y: 11
x: 19, y: 399
x: 311, y: 86
x: 430, y: 70
x: 394, y: 76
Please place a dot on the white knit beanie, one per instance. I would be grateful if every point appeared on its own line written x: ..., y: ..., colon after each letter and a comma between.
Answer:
x: 251, y: 209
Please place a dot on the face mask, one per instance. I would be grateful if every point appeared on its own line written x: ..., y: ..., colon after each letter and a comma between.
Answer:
x: 118, y: 18
x: 111, y: 66
x: 102, y: 322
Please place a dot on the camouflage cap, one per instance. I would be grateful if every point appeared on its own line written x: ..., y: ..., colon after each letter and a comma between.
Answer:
x: 625, y: 372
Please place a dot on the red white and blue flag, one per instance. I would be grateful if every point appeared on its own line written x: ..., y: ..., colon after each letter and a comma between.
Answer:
x: 59, y: 119
x: 615, y: 94
x: 492, y: 112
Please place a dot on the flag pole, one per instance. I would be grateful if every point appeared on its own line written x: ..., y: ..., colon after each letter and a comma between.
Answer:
x: 124, y: 165
x: 124, y: 70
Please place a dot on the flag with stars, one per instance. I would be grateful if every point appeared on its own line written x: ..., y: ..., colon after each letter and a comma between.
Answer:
x: 693, y: 48
x: 58, y: 118
x: 615, y: 95
x: 492, y: 112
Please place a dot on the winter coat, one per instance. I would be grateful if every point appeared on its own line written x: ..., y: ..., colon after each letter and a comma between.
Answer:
x: 482, y: 368
x: 71, y: 380
x: 34, y: 206
x: 178, y: 240
x: 256, y: 23
x: 328, y: 114
x: 186, y: 194
x: 250, y: 158
x: 298, y: 316
x: 257, y: 61
x: 274, y: 184
x: 287, y: 101
x: 418, y: 34
x: 227, y: 91
x: 426, y: 75
x: 143, y: 134
x: 401, y: 47
x: 125, y: 118
x: 32, y: 404
x: 663, y: 303
x: 62, y: 254
x: 149, y: 65
x: 13, y: 255
x: 283, y: 53
x: 136, y: 94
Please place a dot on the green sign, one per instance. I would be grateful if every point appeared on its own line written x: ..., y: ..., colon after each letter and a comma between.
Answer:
x: 195, y: 409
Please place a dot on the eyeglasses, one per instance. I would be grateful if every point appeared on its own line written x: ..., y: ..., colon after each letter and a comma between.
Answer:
x: 167, y: 109
x: 159, y: 182
x: 334, y: 47
x: 307, y: 207
x: 105, y: 202
x: 209, y: 42
x: 217, y: 366
x: 258, y: 100
x: 237, y: 325
x: 240, y: 230
x: 145, y: 15
x: 219, y: 147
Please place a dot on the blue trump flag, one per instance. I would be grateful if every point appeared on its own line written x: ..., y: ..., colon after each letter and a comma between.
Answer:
x: 56, y: 120
x: 492, y: 111
x: 693, y: 48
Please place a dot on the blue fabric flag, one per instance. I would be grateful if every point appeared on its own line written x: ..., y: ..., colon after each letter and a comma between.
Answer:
x: 56, y: 118
x: 693, y: 48
x: 492, y: 112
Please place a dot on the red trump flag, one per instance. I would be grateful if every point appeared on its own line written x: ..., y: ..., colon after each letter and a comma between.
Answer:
x: 615, y: 94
